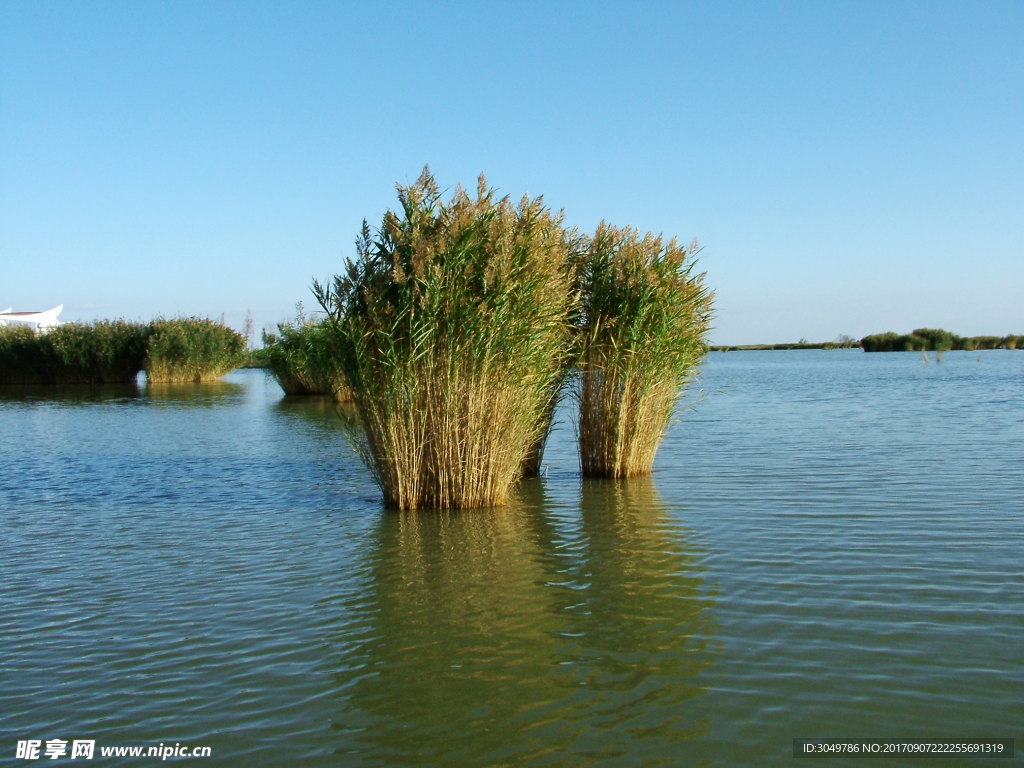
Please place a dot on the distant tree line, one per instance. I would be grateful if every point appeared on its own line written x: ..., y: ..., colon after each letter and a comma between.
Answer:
x: 937, y: 340
x: 842, y: 341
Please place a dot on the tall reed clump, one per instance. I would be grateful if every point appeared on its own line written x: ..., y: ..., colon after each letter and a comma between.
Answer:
x: 106, y: 351
x: 301, y: 357
x: 192, y: 349
x: 644, y: 320
x: 452, y: 330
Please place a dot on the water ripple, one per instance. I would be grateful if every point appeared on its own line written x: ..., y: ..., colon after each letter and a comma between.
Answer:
x: 830, y: 547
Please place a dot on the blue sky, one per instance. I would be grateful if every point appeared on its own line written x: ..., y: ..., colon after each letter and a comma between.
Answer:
x: 848, y: 167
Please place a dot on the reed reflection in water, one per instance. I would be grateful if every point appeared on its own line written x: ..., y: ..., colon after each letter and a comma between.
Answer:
x: 533, y: 633
x: 205, y: 394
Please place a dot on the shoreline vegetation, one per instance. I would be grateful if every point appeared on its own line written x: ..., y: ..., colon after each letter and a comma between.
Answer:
x: 792, y: 345
x: 936, y: 340
x: 919, y: 340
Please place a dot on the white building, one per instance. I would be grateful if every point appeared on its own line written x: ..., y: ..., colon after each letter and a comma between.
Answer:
x: 41, y: 321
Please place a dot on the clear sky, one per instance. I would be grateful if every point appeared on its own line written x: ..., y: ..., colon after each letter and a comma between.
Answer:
x: 848, y: 166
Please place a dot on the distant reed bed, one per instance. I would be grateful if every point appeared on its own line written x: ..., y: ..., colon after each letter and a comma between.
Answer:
x: 935, y: 340
x: 103, y: 352
x: 110, y: 351
x: 192, y: 349
x: 452, y: 330
x: 643, y: 322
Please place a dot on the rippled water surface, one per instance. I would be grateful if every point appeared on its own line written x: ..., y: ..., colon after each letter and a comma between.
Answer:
x: 830, y: 547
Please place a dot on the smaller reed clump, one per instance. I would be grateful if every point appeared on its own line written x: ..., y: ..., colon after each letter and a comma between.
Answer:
x: 104, y: 352
x: 192, y: 349
x: 452, y: 330
x: 301, y: 357
x: 644, y: 320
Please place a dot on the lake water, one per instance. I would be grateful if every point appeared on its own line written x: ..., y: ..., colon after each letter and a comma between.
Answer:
x: 830, y: 547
